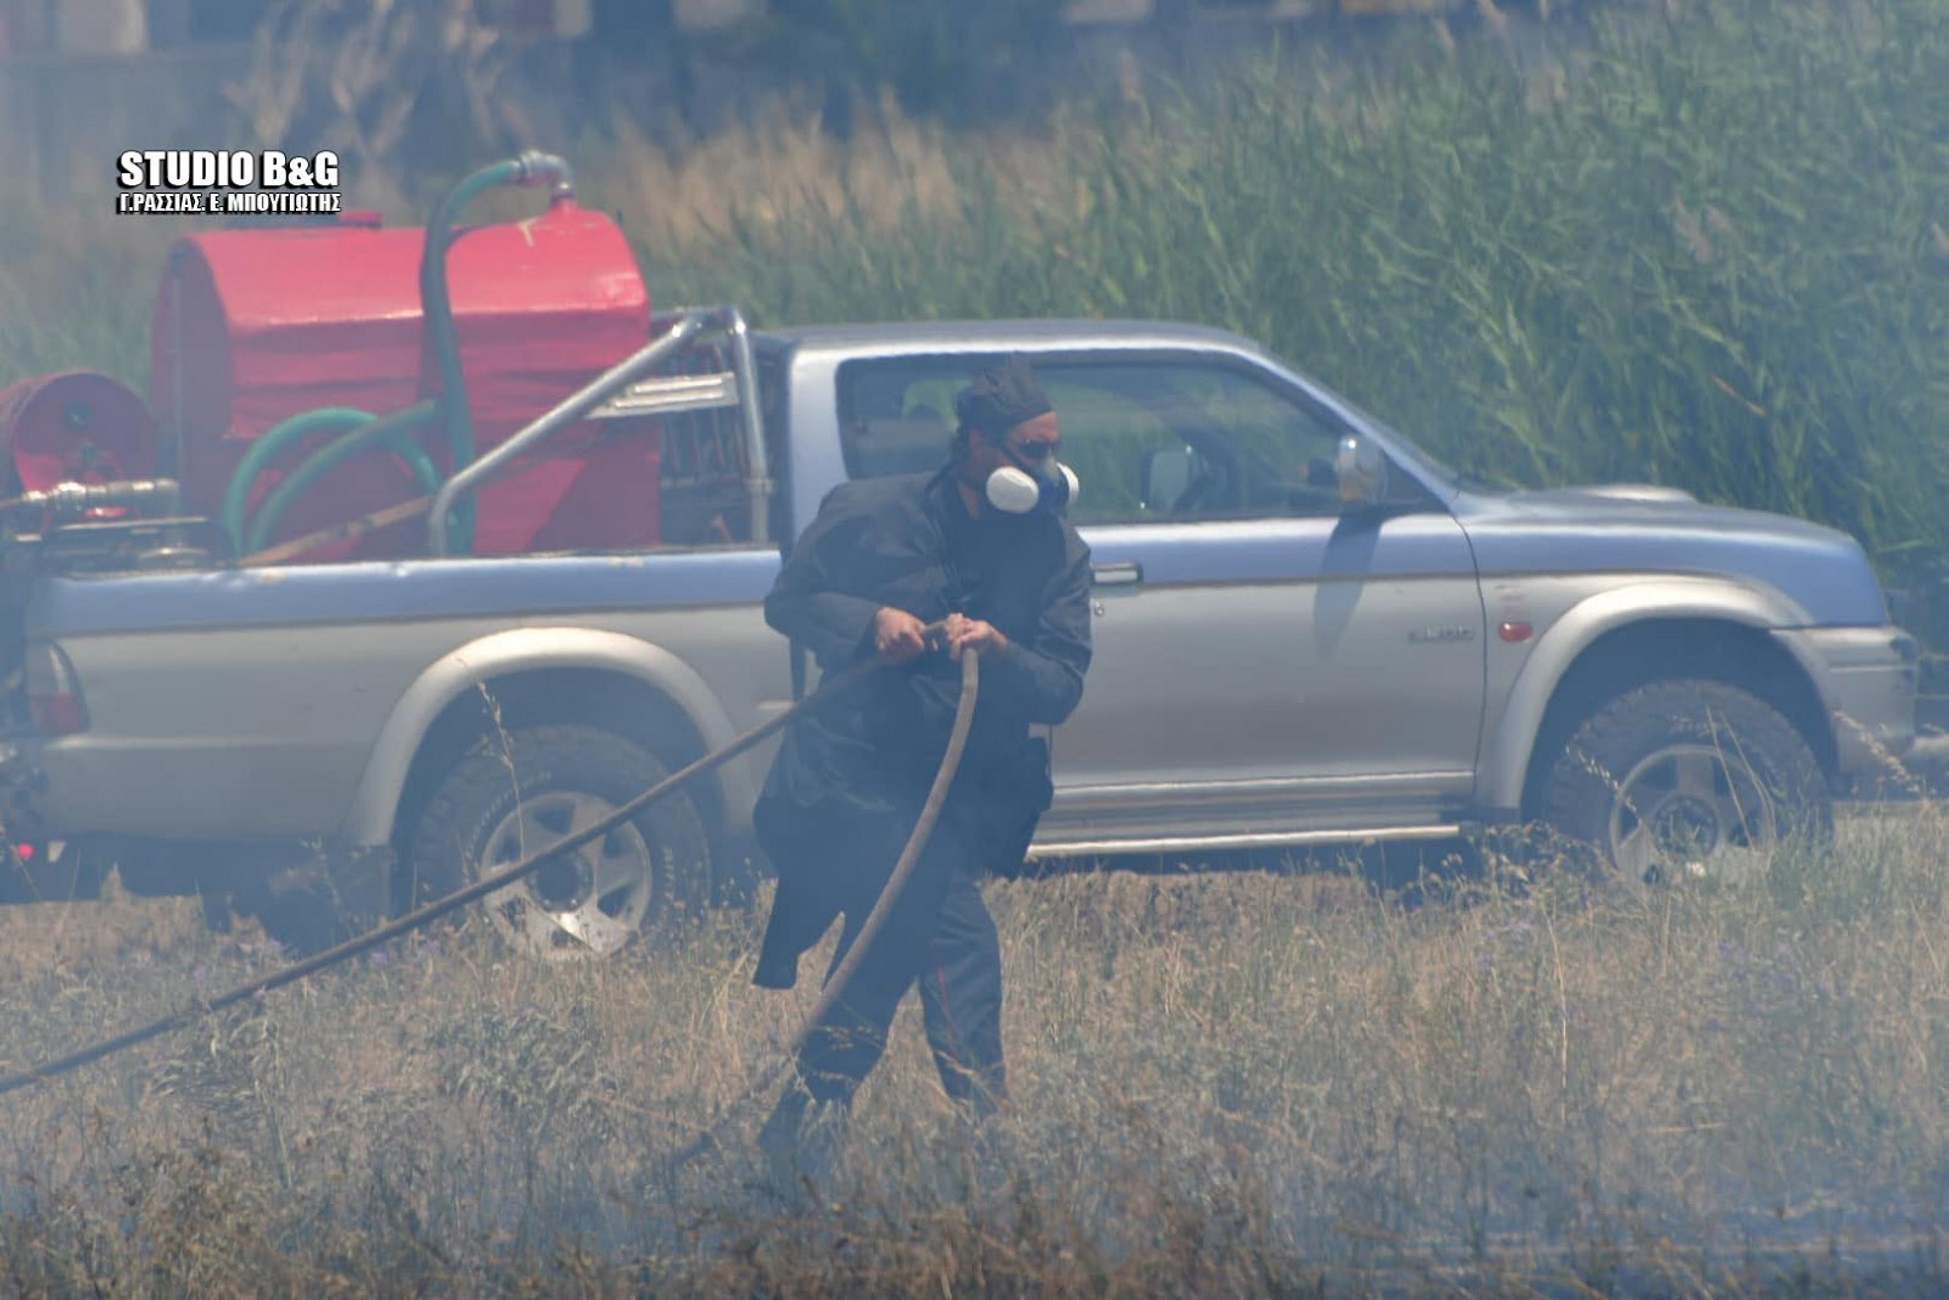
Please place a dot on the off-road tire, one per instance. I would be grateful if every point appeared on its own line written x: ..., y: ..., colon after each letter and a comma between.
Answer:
x: 503, y: 774
x: 1623, y: 741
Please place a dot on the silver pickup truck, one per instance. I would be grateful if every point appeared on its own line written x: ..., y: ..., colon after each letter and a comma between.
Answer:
x: 1307, y: 630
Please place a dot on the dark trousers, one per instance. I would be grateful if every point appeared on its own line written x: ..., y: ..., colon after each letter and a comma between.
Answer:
x: 938, y: 936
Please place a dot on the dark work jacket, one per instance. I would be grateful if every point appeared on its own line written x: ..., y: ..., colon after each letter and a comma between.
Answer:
x: 908, y: 542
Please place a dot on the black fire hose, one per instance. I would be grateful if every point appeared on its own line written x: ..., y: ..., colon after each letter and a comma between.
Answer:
x: 909, y: 856
x: 963, y: 717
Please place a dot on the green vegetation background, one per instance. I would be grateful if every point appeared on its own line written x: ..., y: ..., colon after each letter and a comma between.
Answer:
x: 1712, y: 251
x: 1709, y: 248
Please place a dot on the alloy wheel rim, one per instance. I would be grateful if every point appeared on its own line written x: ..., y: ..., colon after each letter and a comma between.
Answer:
x: 586, y: 903
x: 1685, y: 811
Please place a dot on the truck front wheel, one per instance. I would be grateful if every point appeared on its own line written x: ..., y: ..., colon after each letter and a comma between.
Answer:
x: 1685, y: 779
x: 516, y: 793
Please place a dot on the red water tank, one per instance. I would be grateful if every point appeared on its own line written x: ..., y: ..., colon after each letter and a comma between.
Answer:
x: 254, y: 325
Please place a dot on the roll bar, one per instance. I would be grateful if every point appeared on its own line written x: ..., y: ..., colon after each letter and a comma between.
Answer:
x: 622, y: 391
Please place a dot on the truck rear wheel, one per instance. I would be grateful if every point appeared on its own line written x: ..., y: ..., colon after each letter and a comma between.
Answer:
x: 1683, y: 779
x: 514, y: 794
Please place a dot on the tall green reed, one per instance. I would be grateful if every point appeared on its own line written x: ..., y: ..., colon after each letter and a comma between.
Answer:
x: 1707, y: 248
x: 1706, y: 245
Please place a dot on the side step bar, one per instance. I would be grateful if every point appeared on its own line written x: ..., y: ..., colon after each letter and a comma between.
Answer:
x: 1252, y: 840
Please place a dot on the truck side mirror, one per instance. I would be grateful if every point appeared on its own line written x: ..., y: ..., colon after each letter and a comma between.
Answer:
x: 1166, y: 478
x: 1361, y: 469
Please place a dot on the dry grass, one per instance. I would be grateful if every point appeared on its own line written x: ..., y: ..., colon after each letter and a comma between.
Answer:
x: 1243, y: 1084
x: 1233, y: 1084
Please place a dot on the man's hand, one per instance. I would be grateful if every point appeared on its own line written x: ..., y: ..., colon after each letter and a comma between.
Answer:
x: 971, y: 633
x: 897, y: 635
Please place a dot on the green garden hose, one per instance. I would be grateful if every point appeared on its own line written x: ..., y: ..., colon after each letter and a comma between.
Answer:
x: 393, y: 431
x: 264, y: 450
x: 449, y: 405
x: 437, y: 304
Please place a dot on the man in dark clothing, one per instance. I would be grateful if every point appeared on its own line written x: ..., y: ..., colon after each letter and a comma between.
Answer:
x: 1010, y: 581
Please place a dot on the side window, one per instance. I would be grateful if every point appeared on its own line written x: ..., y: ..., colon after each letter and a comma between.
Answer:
x: 1151, y: 441
x: 897, y: 417
x: 1173, y: 441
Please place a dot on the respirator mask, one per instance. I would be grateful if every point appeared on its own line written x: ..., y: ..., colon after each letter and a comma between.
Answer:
x: 1025, y: 486
x: 999, y: 400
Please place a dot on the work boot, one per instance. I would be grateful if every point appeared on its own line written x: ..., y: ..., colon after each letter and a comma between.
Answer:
x: 803, y: 1143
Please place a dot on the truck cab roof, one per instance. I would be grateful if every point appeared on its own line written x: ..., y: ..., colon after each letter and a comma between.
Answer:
x: 893, y: 337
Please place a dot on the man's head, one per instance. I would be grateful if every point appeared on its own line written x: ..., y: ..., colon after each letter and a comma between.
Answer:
x: 1004, y: 420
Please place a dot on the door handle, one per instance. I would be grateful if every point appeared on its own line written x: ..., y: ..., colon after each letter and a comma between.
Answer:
x: 1123, y: 573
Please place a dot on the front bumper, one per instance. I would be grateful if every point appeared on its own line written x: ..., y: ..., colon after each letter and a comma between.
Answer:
x: 1867, y: 678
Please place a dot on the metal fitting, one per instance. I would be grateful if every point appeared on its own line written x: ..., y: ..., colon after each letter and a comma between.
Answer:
x: 70, y: 498
x: 539, y: 168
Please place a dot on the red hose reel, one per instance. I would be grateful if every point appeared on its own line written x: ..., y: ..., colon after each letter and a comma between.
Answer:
x: 74, y: 426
